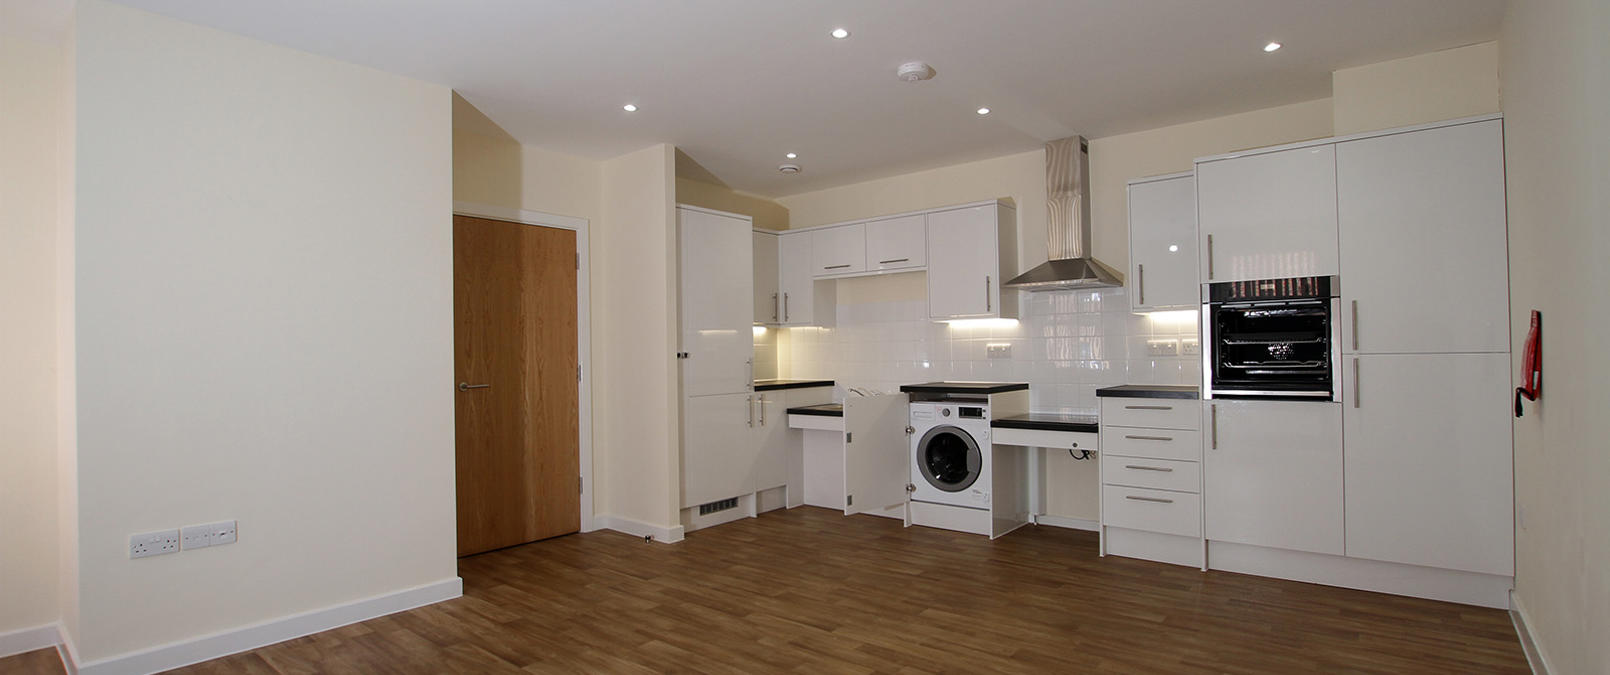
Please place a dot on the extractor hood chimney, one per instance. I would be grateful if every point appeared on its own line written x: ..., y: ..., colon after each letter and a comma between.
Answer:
x: 1067, y: 225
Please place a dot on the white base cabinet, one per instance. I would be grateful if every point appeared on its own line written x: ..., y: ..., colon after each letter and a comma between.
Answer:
x: 1151, y: 479
x: 1272, y: 474
x: 720, y: 447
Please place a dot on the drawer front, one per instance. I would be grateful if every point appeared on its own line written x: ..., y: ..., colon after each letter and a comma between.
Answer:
x: 1152, y: 443
x: 1154, y: 413
x: 1161, y: 474
x: 1152, y: 510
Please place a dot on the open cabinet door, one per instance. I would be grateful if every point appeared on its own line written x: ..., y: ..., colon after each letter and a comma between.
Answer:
x: 876, y: 452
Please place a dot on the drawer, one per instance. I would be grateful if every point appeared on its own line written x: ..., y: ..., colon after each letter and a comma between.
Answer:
x: 1154, y: 413
x: 1151, y: 443
x: 1152, y: 510
x: 1162, y: 474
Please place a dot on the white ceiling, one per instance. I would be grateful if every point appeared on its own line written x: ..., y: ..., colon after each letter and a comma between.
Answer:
x: 737, y: 83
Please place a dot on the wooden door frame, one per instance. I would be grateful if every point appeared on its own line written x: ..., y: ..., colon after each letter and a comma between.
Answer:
x: 583, y: 329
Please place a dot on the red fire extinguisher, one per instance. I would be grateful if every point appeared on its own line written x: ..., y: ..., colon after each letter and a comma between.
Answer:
x: 1531, y: 364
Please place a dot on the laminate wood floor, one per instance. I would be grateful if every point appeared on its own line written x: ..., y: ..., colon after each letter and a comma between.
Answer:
x: 811, y: 591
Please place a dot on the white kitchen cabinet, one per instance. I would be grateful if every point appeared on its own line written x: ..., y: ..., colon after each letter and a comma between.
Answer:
x: 768, y: 296
x: 970, y: 251
x: 1429, y: 460
x: 721, y: 447
x: 897, y: 244
x: 1424, y: 248
x: 805, y: 301
x: 839, y: 250
x: 716, y: 317
x: 1268, y: 215
x: 1272, y: 474
x: 1162, y: 244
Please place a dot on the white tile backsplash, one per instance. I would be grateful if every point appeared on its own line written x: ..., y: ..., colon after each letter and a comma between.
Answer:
x: 1067, y: 345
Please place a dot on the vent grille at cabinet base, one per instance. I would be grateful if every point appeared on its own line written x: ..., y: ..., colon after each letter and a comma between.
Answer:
x: 712, y: 507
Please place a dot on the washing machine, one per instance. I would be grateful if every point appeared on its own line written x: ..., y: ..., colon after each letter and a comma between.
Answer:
x: 950, y: 453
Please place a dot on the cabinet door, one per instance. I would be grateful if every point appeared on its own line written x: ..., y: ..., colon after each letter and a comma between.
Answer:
x: 771, y: 427
x: 1429, y: 457
x: 1423, y: 241
x: 798, y: 280
x: 717, y: 300
x: 1272, y: 474
x: 719, y: 449
x: 1268, y: 216
x: 897, y: 243
x: 768, y: 298
x: 1162, y: 245
x: 963, y: 264
x: 839, y: 250
x: 876, y: 452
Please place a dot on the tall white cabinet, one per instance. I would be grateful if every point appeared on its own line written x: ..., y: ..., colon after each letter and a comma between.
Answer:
x: 1162, y: 243
x: 719, y: 448
x: 1268, y: 215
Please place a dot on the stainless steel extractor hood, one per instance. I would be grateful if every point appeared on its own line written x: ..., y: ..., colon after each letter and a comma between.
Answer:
x: 1067, y: 226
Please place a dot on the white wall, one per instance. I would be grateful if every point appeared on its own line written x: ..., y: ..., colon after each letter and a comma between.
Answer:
x: 34, y: 79
x: 264, y: 325
x: 1441, y: 85
x: 1556, y: 85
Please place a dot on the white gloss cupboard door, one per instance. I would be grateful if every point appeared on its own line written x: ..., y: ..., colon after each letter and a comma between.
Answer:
x: 1429, y: 460
x: 771, y: 433
x: 1424, y: 246
x: 963, y: 264
x: 877, y: 452
x: 1162, y: 244
x: 720, y: 448
x: 768, y: 297
x: 839, y: 250
x: 1272, y: 474
x: 717, y: 301
x: 896, y: 243
x: 800, y: 304
x: 1268, y: 216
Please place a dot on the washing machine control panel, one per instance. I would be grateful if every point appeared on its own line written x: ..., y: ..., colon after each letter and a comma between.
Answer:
x: 970, y: 413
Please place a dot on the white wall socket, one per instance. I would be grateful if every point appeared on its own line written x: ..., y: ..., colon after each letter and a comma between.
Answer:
x: 147, y: 544
x: 1162, y: 347
x: 1190, y: 348
x: 999, y: 351
x: 211, y: 534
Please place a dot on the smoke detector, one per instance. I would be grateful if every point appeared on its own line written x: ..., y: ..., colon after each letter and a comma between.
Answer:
x: 788, y: 168
x: 915, y: 71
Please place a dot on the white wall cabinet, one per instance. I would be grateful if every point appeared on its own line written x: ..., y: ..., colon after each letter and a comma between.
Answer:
x: 1429, y: 457
x: 1162, y: 244
x: 1272, y: 474
x: 839, y: 250
x: 768, y: 295
x: 1268, y: 215
x: 970, y: 250
x: 897, y: 244
x: 805, y: 301
x: 1423, y: 241
x: 716, y: 285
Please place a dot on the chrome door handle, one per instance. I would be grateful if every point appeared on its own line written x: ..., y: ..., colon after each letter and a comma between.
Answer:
x: 774, y: 307
x: 1210, y: 256
x: 762, y: 410
x: 1149, y: 499
x: 1148, y: 407
x: 1149, y: 438
x: 836, y: 267
x: 465, y: 386
x: 1148, y: 468
x: 1355, y: 325
x: 1214, y: 413
x: 988, y: 301
x: 785, y: 308
x: 1355, y: 382
x: 886, y: 262
x: 750, y: 364
x: 750, y: 407
x: 1142, y: 274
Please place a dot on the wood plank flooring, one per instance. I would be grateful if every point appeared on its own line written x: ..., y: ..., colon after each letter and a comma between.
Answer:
x: 810, y: 591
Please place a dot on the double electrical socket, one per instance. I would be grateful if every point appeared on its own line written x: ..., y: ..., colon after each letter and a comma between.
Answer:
x: 163, y: 542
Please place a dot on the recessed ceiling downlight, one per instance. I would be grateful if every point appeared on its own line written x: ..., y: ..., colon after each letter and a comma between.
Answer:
x: 983, y: 111
x: 839, y: 33
x: 629, y: 107
x: 791, y: 155
x: 788, y: 169
x: 1271, y: 46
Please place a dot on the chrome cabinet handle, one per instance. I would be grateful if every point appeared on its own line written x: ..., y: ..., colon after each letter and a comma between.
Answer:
x: 750, y: 407
x: 750, y: 364
x: 1355, y: 325
x: 465, y: 386
x: 1148, y: 468
x: 1355, y: 382
x: 1149, y: 438
x: 886, y: 262
x: 988, y: 301
x: 1214, y: 410
x: 836, y: 267
x: 774, y: 307
x: 1148, y: 407
x: 1142, y: 270
x: 1149, y: 499
x: 1210, y: 256
x: 785, y: 308
x: 762, y: 410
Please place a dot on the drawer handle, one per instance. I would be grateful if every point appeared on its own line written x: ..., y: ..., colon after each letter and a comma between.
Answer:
x: 1149, y: 499
x: 1148, y: 407
x: 1149, y: 438
x: 1148, y: 468
x: 836, y: 267
x: 885, y: 262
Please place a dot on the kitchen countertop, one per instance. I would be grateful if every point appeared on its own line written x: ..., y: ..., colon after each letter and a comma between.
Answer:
x: 770, y: 385
x: 1151, y: 391
x: 823, y: 410
x: 963, y: 387
x: 1048, y: 422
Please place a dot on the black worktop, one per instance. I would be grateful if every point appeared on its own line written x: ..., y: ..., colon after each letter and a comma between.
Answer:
x: 1151, y: 391
x: 823, y: 410
x: 770, y: 385
x: 963, y: 387
x: 1048, y: 422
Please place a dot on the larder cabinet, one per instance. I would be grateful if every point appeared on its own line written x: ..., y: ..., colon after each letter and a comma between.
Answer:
x: 970, y: 250
x: 768, y: 298
x: 716, y: 287
x: 1268, y: 215
x: 1162, y: 243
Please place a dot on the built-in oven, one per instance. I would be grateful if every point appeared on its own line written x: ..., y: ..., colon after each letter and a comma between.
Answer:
x: 1271, y: 339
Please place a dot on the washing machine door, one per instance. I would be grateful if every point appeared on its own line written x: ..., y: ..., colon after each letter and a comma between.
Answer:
x: 949, y: 458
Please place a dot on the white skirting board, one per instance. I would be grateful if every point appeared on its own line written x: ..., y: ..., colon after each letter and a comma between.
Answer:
x: 1523, y: 629
x: 25, y: 640
x: 638, y: 528
x: 1469, y: 588
x: 1066, y: 522
x: 946, y: 517
x: 186, y: 652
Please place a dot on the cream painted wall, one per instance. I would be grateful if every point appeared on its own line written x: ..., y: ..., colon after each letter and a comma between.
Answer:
x: 767, y: 214
x: 1441, y: 85
x: 1556, y: 78
x: 33, y: 130
x: 264, y: 325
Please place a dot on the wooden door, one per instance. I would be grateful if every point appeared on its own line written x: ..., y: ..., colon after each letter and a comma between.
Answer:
x: 514, y: 331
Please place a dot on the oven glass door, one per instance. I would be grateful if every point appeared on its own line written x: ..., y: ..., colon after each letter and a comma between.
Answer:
x: 1272, y: 348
